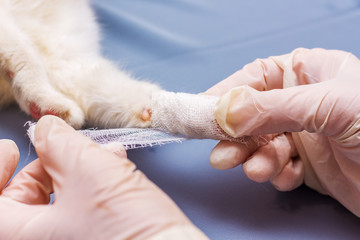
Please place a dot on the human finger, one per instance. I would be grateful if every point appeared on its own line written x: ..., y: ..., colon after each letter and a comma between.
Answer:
x: 108, y: 184
x: 262, y: 74
x: 290, y: 177
x: 61, y: 150
x: 116, y: 148
x: 32, y: 185
x: 9, y: 158
x: 227, y: 154
x: 315, y: 108
x: 270, y: 159
x: 302, y: 66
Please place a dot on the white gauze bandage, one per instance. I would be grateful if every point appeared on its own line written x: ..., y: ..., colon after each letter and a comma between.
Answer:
x: 190, y: 115
x: 175, y: 117
x: 129, y: 138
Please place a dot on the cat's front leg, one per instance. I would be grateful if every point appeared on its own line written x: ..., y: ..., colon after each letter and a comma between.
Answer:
x: 6, y: 96
x: 37, y: 97
x: 27, y: 76
x: 112, y: 98
x: 128, y: 106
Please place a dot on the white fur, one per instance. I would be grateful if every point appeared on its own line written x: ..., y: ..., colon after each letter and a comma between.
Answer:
x: 50, y: 56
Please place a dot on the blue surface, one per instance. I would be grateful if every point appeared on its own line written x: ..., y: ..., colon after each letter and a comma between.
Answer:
x: 189, y: 45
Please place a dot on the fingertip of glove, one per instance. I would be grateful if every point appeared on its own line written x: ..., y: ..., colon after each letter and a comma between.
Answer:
x: 46, y: 125
x: 116, y: 148
x: 217, y: 161
x: 224, y: 156
x: 258, y: 169
x: 10, y: 147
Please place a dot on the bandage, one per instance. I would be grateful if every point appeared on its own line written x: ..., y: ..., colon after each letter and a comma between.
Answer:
x: 189, y: 115
x: 174, y: 118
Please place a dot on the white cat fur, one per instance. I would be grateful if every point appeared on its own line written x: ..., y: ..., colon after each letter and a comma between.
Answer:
x: 50, y: 56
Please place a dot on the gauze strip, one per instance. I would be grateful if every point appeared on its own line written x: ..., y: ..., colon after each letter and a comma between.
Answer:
x: 130, y: 138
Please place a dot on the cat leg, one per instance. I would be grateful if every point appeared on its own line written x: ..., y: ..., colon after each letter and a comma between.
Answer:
x: 6, y: 96
x: 112, y: 98
x: 28, y: 78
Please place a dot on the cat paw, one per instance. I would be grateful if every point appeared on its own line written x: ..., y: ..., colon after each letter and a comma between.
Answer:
x: 140, y: 111
x: 128, y: 107
x: 73, y: 115
x: 37, y: 97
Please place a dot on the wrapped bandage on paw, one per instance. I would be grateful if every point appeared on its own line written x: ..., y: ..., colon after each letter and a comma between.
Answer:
x: 189, y: 115
x: 174, y: 117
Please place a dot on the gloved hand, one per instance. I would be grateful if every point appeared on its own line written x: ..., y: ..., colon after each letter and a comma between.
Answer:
x: 312, y: 94
x: 99, y: 195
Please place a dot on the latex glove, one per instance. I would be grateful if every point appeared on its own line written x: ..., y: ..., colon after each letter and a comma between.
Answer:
x: 99, y: 195
x: 319, y: 105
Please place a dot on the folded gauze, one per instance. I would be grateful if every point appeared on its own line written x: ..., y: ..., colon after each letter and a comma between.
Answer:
x: 174, y: 117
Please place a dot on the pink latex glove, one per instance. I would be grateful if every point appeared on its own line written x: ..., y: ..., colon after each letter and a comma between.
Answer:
x: 306, y: 107
x: 99, y: 195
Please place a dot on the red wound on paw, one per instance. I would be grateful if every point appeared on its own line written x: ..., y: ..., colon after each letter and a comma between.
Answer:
x: 10, y: 74
x: 36, y: 112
